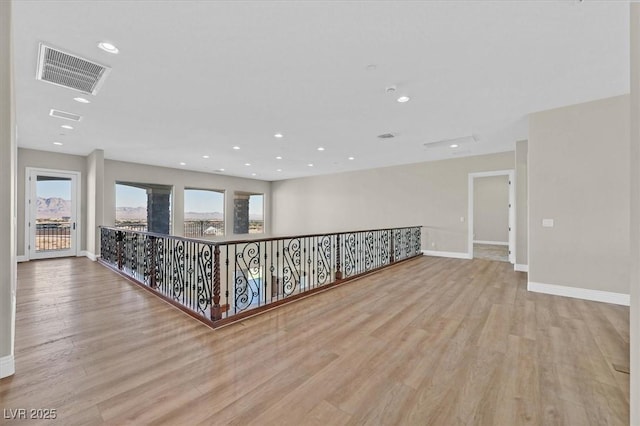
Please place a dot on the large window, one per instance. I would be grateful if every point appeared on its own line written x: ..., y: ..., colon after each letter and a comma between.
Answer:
x: 203, y: 213
x: 248, y: 213
x: 131, y: 207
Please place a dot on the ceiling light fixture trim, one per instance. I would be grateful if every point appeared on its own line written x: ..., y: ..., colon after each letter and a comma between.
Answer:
x: 108, y: 47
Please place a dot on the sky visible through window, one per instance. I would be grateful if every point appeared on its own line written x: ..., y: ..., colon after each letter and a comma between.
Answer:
x: 54, y: 189
x: 203, y: 201
x: 130, y: 196
x: 255, y: 206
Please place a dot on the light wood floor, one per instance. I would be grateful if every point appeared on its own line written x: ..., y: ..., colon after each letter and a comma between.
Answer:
x: 431, y: 341
x: 491, y: 252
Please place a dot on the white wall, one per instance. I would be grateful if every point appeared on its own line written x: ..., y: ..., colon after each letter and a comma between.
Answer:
x: 94, y: 201
x: 432, y: 194
x: 635, y: 216
x: 522, y: 208
x: 579, y: 177
x: 491, y: 209
x: 7, y: 195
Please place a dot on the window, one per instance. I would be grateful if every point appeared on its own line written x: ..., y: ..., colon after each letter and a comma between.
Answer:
x: 203, y: 213
x: 248, y: 213
x: 143, y: 207
x: 131, y: 207
x: 256, y: 214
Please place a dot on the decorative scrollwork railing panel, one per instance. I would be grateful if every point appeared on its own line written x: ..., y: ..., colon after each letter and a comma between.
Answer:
x: 215, y: 281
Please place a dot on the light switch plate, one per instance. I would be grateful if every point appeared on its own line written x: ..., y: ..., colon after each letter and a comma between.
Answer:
x: 547, y: 223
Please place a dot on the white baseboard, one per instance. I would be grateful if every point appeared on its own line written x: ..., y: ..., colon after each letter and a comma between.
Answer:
x: 7, y: 366
x: 521, y: 268
x: 89, y: 255
x: 453, y: 254
x: 82, y: 253
x: 493, y: 243
x: 580, y: 293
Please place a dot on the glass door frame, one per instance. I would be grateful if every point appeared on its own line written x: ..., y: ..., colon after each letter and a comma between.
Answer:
x: 31, y: 174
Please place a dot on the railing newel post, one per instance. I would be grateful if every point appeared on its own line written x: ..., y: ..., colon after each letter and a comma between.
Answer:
x: 338, y: 264
x: 152, y: 261
x: 120, y: 248
x: 216, y: 311
x: 392, y: 255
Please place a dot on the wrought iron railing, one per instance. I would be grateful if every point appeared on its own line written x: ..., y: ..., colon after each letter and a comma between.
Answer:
x: 218, y: 282
x: 203, y: 228
x: 132, y: 226
x: 53, y: 235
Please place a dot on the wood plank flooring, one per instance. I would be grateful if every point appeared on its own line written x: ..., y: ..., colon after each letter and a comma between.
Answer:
x: 432, y: 341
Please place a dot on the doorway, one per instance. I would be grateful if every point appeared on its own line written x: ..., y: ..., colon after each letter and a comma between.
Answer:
x: 52, y: 222
x: 492, y: 215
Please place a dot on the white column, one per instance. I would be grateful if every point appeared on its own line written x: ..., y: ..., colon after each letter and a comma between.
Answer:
x: 8, y: 154
x: 95, y: 201
x: 634, y: 402
x: 177, y: 208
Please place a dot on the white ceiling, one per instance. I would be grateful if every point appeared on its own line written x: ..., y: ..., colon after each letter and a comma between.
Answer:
x: 195, y: 78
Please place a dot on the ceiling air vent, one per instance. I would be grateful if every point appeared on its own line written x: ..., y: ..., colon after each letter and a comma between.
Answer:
x: 64, y: 69
x: 461, y: 141
x: 387, y: 136
x: 66, y: 115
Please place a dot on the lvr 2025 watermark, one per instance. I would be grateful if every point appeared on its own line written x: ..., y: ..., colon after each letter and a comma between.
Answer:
x: 29, y: 413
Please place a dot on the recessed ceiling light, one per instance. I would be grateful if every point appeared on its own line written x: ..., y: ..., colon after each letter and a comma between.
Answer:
x: 205, y: 156
x: 310, y: 164
x: 278, y: 158
x: 403, y: 99
x: 236, y: 147
x: 108, y: 47
x: 278, y: 135
x: 58, y: 143
x: 453, y: 145
x: 351, y: 158
x: 220, y: 170
x: 182, y: 163
x: 247, y: 164
x: 66, y: 126
x: 320, y: 148
x: 278, y: 170
x: 253, y: 174
x: 82, y: 100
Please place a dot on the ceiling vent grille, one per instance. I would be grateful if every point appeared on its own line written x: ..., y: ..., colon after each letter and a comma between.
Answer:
x: 66, y: 115
x: 73, y: 72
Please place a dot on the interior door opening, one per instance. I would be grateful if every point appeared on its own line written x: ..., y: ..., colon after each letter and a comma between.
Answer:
x: 492, y: 215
